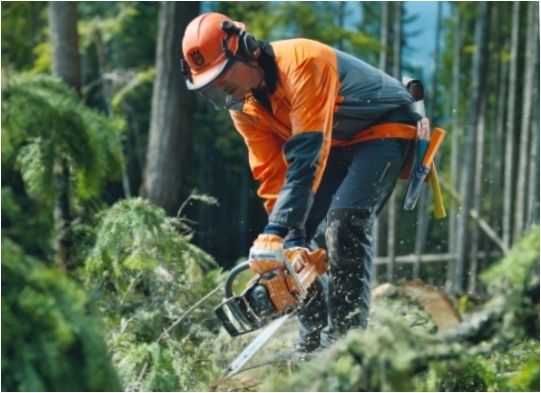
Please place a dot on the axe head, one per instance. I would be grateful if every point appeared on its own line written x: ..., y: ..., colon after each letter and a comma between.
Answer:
x: 415, y: 186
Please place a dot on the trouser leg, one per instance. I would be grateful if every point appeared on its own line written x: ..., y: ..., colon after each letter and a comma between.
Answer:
x: 371, y: 177
x: 349, y: 245
x: 314, y: 317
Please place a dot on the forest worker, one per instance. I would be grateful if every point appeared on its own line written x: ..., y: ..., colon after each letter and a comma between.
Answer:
x: 327, y: 136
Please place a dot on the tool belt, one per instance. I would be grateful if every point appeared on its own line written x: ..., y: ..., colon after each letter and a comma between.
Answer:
x: 418, y: 172
x: 409, y: 132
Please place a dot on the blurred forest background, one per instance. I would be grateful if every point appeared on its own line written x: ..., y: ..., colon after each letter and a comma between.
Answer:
x: 126, y: 196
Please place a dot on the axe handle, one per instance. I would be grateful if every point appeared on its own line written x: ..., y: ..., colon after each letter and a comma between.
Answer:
x: 439, y: 209
x: 435, y: 142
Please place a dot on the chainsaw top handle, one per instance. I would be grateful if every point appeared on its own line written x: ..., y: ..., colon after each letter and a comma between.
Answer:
x: 228, y: 286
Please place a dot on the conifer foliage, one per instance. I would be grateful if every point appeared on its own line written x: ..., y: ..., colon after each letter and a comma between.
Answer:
x: 43, y: 118
x: 49, y: 343
x: 145, y: 275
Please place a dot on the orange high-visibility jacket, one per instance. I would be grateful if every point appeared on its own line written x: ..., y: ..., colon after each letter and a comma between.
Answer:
x: 324, y: 98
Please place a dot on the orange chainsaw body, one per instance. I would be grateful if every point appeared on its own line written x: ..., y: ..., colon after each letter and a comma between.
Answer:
x: 278, y: 288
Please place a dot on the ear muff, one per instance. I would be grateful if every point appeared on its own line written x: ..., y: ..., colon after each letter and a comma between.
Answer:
x: 248, y: 45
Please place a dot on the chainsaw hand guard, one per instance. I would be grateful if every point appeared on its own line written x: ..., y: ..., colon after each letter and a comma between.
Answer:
x: 271, y: 294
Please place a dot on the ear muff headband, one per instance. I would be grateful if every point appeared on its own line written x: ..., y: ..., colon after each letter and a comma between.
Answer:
x: 247, y: 42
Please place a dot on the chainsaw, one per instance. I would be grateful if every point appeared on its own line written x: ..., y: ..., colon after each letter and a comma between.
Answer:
x: 277, y: 289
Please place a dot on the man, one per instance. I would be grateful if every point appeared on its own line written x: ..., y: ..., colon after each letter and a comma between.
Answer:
x: 327, y: 137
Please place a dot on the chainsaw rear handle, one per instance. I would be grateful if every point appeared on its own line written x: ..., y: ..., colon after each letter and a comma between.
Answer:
x: 228, y: 286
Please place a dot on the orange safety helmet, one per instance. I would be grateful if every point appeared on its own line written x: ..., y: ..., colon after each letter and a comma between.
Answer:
x: 207, y: 48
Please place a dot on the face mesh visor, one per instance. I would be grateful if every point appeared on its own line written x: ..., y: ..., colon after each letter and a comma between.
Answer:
x: 217, y: 97
x: 219, y: 92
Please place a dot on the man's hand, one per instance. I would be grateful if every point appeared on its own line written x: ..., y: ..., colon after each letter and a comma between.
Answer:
x: 269, y: 252
x: 266, y: 254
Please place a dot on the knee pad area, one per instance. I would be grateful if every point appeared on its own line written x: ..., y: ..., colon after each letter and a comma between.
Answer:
x: 348, y: 233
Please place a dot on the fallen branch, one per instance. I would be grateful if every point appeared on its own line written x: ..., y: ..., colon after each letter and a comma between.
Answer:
x: 189, y: 311
x: 140, y: 377
x: 173, y: 325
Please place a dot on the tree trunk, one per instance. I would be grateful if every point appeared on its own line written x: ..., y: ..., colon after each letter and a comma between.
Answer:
x: 498, y: 114
x: 455, y: 145
x: 467, y: 177
x: 510, y: 130
x: 521, y: 189
x: 496, y: 118
x: 477, y: 191
x: 66, y: 65
x: 384, y: 36
x: 172, y: 111
x: 533, y: 186
x: 477, y: 241
x: 392, y: 210
x: 533, y: 191
x: 106, y: 93
x: 383, y: 60
x: 65, y: 42
x: 397, y: 40
x: 431, y: 107
x: 423, y: 217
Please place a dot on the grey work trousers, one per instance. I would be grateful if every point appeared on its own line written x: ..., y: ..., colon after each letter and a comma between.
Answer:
x: 357, y: 182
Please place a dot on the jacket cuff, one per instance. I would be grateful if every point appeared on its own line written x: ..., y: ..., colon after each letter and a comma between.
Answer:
x: 292, y: 206
x: 275, y: 229
x: 295, y: 238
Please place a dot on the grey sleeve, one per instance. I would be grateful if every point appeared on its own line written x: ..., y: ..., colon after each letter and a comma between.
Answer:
x: 295, y: 199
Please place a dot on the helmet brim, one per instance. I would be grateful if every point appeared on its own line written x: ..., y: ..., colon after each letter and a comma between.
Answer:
x: 202, y: 80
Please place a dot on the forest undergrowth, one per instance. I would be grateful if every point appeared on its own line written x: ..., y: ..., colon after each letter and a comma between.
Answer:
x: 105, y: 292
x: 129, y: 311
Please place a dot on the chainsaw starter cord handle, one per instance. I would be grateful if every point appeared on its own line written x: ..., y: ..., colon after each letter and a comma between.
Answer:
x: 228, y: 286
